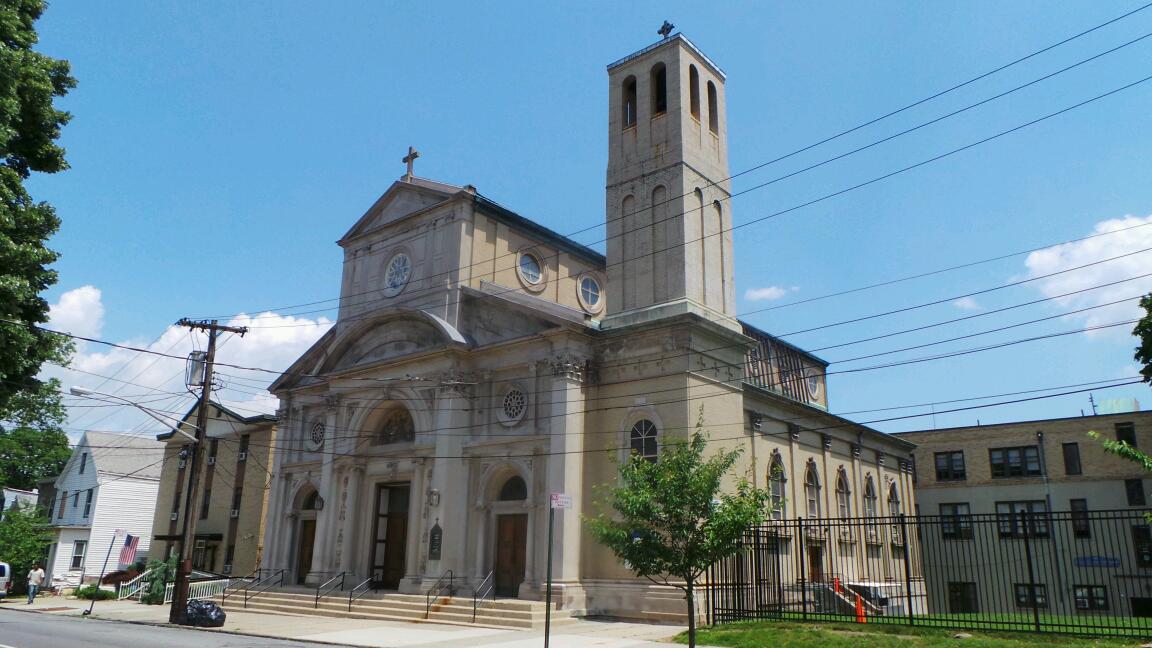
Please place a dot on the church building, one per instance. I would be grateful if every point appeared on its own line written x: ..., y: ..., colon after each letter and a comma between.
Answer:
x: 481, y: 362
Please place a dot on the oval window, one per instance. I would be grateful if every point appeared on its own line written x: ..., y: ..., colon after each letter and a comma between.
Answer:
x: 397, y: 274
x: 590, y: 293
x: 530, y: 268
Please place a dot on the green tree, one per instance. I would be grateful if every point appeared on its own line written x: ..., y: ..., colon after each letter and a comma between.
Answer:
x: 24, y: 536
x: 29, y: 127
x: 1143, y: 333
x: 671, y: 521
x: 33, y: 445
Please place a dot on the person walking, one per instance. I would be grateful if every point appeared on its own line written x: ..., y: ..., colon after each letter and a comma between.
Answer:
x: 35, y: 580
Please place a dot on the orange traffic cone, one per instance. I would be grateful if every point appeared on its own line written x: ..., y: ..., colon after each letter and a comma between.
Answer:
x: 861, y: 617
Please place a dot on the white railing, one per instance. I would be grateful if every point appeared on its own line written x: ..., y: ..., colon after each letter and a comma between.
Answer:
x: 204, y: 589
x: 132, y: 588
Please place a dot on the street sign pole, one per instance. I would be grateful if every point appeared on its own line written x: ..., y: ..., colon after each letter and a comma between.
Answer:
x: 557, y: 501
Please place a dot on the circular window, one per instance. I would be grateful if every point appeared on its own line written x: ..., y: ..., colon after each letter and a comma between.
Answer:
x: 531, y: 270
x: 591, y: 297
x: 813, y: 380
x: 397, y: 274
x: 317, y: 435
x: 513, y: 406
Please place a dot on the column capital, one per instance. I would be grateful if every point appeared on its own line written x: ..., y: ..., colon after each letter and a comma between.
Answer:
x: 331, y: 402
x: 571, y: 367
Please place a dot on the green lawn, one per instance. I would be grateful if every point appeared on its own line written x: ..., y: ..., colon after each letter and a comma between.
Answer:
x: 1022, y: 622
x: 785, y: 634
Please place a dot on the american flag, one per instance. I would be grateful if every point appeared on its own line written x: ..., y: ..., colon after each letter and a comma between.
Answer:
x: 128, y: 553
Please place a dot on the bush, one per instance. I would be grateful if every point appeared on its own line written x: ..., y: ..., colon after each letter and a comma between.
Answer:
x: 93, y: 592
x: 163, y: 572
x: 120, y: 576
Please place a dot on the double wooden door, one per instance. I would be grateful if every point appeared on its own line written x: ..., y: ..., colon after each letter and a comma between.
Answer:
x: 511, y: 544
x: 304, y: 554
x: 390, y: 535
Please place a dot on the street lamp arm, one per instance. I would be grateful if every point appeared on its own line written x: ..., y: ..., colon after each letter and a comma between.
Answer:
x: 84, y: 392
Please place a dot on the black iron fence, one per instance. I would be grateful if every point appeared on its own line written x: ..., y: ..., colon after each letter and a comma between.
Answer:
x: 1022, y: 569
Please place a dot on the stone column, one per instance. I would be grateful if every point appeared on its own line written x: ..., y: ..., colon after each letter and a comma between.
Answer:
x: 566, y: 468
x: 351, y: 512
x: 274, y: 515
x: 412, y: 576
x: 326, y: 517
x: 450, y: 474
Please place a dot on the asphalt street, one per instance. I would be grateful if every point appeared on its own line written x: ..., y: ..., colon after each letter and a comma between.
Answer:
x: 28, y: 630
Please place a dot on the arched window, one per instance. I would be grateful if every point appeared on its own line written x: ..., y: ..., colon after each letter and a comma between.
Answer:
x: 514, y: 490
x: 777, y: 480
x: 843, y: 495
x: 812, y: 491
x: 643, y: 439
x: 713, y: 109
x: 310, y: 501
x: 893, y: 501
x: 869, y: 498
x: 694, y: 91
x: 396, y: 427
x: 628, y: 103
x: 659, y: 89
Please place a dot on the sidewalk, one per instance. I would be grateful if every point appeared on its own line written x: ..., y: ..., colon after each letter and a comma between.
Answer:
x: 377, y: 634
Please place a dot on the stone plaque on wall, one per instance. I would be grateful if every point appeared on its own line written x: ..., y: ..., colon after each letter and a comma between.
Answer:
x: 435, y: 541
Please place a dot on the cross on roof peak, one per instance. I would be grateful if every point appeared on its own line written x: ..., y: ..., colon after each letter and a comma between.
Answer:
x: 409, y: 160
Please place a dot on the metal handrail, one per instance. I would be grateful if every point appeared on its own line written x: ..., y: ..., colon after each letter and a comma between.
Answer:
x: 479, y: 594
x: 239, y: 582
x: 321, y: 591
x: 262, y: 585
x: 361, y: 590
x: 437, y: 590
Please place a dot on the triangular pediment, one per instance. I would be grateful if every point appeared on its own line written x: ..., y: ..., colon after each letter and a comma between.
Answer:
x: 400, y: 201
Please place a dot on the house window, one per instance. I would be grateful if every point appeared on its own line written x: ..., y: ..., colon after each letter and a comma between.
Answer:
x: 83, y: 461
x: 1023, y: 461
x: 956, y: 521
x: 643, y: 440
x: 1081, y: 528
x: 78, y: 549
x: 894, y: 510
x: 1090, y: 597
x: 1011, y: 516
x: 1142, y: 543
x: 63, y: 503
x: 962, y: 598
x: 204, y: 505
x: 1135, y: 491
x: 213, y: 448
x: 1072, y: 459
x: 870, y: 498
x: 75, y: 500
x: 950, y: 466
x: 628, y: 103
x: 659, y: 89
x: 244, y: 438
x: 1031, y: 596
x: 236, y: 497
x: 812, y: 491
x: 1126, y: 432
x: 88, y: 503
x: 776, y: 483
x: 229, y: 554
x: 843, y: 495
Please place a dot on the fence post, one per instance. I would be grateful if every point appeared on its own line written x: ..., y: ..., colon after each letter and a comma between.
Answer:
x: 779, y: 569
x: 907, y: 570
x: 803, y: 569
x: 1027, y: 530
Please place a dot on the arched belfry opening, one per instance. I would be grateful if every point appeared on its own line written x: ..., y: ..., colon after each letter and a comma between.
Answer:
x: 628, y: 103
x: 713, y: 109
x: 659, y: 89
x: 694, y: 91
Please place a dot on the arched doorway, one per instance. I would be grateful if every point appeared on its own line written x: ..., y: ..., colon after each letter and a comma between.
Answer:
x: 511, y: 539
x: 305, y: 532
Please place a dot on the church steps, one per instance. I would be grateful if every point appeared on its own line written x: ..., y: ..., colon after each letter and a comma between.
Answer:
x: 503, y: 613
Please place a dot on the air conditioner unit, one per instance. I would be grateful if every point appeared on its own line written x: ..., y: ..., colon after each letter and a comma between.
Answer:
x: 175, y: 516
x: 211, y: 461
x: 182, y: 463
x: 200, y: 544
x: 227, y: 569
x: 235, y: 513
x: 241, y: 456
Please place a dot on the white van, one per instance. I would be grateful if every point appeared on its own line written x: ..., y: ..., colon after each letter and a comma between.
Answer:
x: 5, y: 579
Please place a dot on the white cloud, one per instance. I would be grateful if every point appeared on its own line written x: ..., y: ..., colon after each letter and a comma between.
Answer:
x: 967, y: 303
x: 273, y: 342
x: 79, y: 312
x: 1070, y: 255
x: 767, y: 294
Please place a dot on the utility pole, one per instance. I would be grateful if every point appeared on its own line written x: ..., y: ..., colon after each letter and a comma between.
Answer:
x: 177, y: 614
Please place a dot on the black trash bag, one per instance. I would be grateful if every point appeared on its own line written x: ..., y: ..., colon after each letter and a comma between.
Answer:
x: 205, y: 614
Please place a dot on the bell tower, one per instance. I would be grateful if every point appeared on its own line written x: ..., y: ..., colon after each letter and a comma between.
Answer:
x: 668, y: 214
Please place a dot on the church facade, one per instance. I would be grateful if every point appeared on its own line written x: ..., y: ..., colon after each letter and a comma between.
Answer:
x: 481, y: 362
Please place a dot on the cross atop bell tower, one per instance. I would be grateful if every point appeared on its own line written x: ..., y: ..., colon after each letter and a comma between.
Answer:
x: 668, y: 214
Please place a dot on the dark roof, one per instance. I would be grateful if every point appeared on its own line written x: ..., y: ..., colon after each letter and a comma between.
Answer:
x: 1091, y: 417
x: 246, y: 420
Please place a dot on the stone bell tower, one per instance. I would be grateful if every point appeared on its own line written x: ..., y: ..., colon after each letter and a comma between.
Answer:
x: 668, y: 213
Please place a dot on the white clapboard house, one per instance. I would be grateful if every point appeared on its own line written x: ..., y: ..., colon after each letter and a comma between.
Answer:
x: 109, y: 483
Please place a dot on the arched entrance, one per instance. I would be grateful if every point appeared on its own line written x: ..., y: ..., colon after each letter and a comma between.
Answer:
x: 305, y: 532
x: 511, y: 539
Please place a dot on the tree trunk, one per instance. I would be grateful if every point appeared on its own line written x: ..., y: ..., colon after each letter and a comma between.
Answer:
x: 691, y: 616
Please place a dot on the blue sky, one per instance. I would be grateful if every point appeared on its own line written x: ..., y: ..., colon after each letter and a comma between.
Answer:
x: 219, y: 149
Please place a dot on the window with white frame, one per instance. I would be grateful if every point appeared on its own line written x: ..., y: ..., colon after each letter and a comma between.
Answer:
x: 642, y: 440
x: 812, y: 491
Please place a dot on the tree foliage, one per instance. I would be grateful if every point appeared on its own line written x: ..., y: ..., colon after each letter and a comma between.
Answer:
x: 24, y: 537
x: 163, y: 572
x: 1143, y: 333
x: 33, y: 445
x: 671, y: 521
x: 29, y: 127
